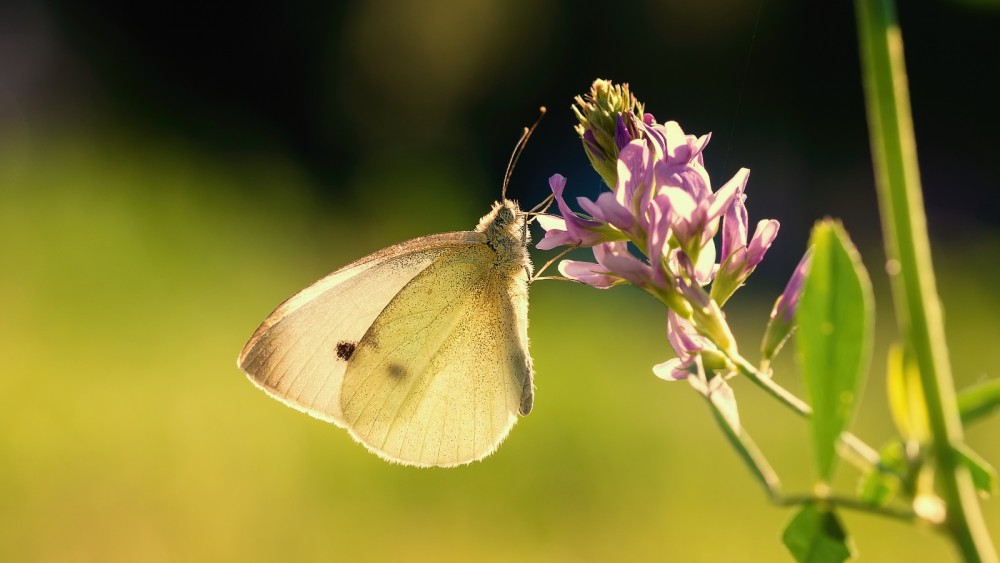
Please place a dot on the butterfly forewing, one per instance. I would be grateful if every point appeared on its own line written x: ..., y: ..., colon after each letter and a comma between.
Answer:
x: 299, y: 354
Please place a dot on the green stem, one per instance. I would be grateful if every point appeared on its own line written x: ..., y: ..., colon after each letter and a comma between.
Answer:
x: 749, y: 453
x: 917, y: 307
x: 849, y: 503
x: 768, y: 478
x: 865, y: 454
x: 765, y: 382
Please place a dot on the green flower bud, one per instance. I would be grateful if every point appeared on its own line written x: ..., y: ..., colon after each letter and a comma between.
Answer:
x: 607, y: 118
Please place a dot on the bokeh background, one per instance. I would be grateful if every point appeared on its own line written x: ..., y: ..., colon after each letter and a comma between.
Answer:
x: 169, y: 173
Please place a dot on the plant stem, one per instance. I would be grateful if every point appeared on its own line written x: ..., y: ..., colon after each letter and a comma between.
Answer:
x: 767, y: 384
x: 908, y: 249
x: 849, y: 503
x: 768, y: 478
x: 856, y: 445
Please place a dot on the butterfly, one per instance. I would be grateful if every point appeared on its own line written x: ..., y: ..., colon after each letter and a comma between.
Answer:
x: 419, y: 350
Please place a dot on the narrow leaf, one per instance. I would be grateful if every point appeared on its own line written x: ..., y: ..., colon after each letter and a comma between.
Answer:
x: 816, y: 536
x: 979, y: 400
x: 984, y: 477
x: 834, y: 339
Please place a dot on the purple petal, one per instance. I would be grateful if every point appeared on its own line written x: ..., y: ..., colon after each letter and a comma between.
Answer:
x: 698, y: 146
x: 587, y: 272
x: 736, y: 262
x: 580, y: 231
x: 677, y: 207
x: 677, y: 149
x: 672, y: 370
x: 763, y: 237
x: 658, y: 219
x: 681, y: 335
x: 619, y: 261
x: 555, y: 232
x: 555, y: 238
x: 705, y: 267
x: 590, y: 142
x: 722, y: 199
x: 634, y: 174
x: 789, y: 299
x: 551, y: 222
x: 734, y: 227
x: 622, y: 135
x: 608, y: 210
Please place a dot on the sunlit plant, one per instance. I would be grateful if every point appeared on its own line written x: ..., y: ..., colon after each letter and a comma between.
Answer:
x: 657, y: 227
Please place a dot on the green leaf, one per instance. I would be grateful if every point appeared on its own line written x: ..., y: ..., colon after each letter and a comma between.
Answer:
x: 815, y: 535
x: 834, y: 319
x: 984, y: 477
x: 979, y: 400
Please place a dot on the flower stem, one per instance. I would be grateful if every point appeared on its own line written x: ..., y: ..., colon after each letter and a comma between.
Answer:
x: 918, y: 311
x: 866, y: 456
x: 778, y: 392
x: 768, y: 478
x: 750, y: 453
x: 849, y: 503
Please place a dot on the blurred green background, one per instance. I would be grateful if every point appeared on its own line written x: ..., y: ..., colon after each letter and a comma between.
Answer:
x: 168, y: 176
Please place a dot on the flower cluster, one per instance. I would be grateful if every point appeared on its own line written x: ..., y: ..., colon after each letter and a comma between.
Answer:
x: 656, y: 226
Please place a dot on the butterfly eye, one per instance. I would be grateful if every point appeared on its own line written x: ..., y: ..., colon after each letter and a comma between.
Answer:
x: 505, y: 216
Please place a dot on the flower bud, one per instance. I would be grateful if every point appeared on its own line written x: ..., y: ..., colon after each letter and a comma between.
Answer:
x: 782, y: 322
x: 608, y: 119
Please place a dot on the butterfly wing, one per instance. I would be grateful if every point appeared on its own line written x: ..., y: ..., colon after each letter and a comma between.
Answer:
x: 299, y: 354
x: 442, y: 373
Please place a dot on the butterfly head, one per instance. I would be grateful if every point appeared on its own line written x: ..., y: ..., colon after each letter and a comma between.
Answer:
x: 505, y: 229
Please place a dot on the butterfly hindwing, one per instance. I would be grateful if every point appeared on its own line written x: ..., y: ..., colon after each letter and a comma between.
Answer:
x: 440, y: 376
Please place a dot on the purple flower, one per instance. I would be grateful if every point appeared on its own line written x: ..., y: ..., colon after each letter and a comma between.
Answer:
x: 739, y: 259
x: 631, y: 192
x: 673, y: 146
x: 662, y: 201
x: 694, y: 209
x: 788, y: 301
x: 622, y: 134
x: 687, y: 344
x: 569, y: 229
x: 782, y: 321
x: 661, y: 204
x: 734, y: 226
x: 615, y: 265
x: 619, y: 207
x: 734, y: 233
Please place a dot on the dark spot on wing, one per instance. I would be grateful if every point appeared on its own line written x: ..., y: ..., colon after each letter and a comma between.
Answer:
x: 345, y: 349
x: 396, y: 371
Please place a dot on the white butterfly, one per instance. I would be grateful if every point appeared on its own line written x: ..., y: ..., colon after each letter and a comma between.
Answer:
x: 419, y: 350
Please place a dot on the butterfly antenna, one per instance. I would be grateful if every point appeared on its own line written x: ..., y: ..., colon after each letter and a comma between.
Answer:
x: 518, y: 149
